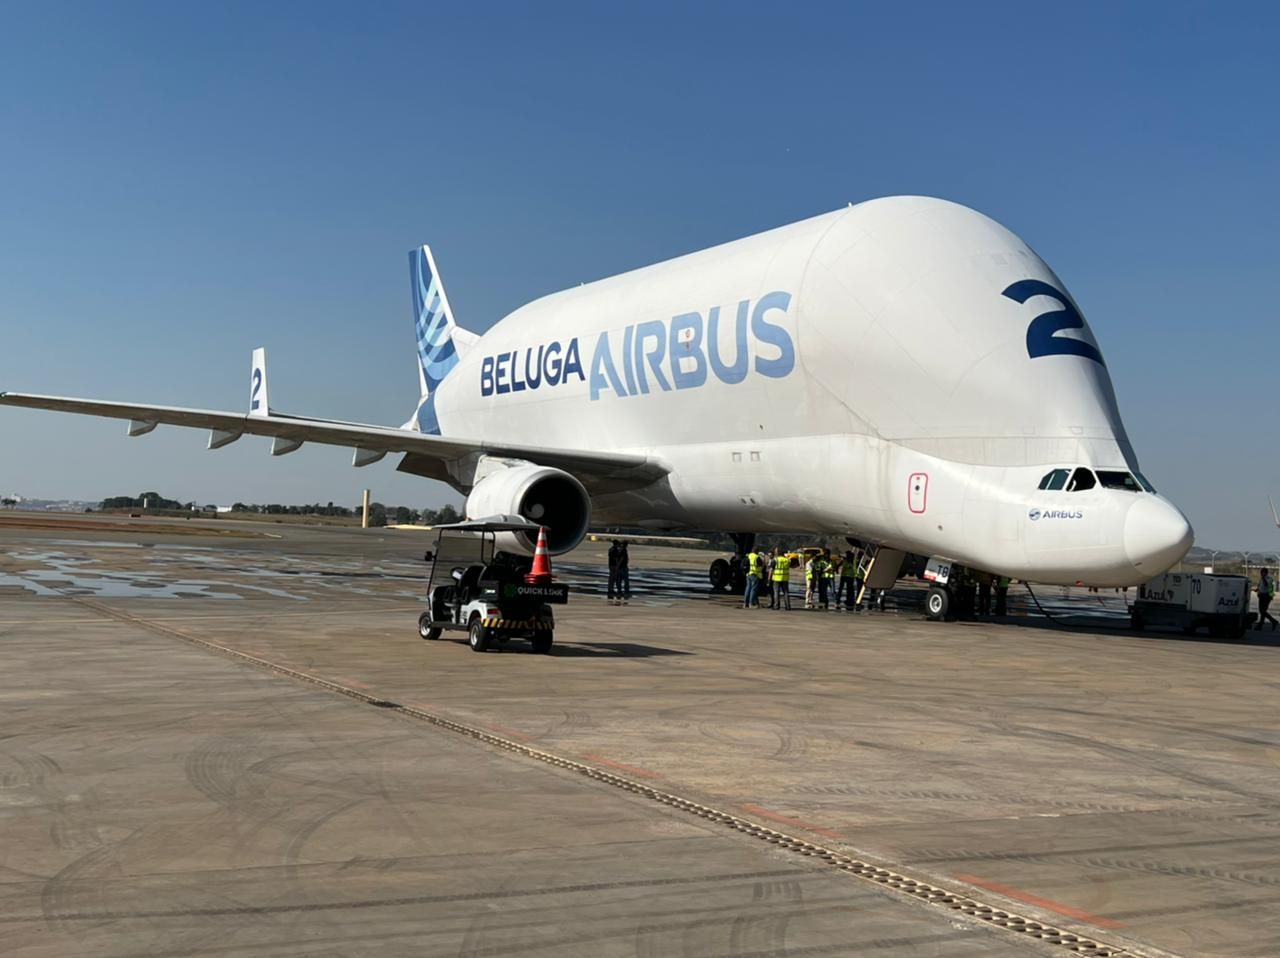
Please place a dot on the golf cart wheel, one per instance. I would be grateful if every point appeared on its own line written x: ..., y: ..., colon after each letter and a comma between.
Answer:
x: 424, y: 627
x: 937, y: 603
x: 541, y: 643
x: 478, y: 635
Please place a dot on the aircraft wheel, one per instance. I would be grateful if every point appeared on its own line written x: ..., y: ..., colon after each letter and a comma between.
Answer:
x: 719, y: 575
x: 478, y: 635
x: 541, y: 643
x: 424, y: 627
x: 937, y: 603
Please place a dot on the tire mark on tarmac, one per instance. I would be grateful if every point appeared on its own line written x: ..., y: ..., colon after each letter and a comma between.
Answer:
x: 87, y: 865
x: 895, y: 883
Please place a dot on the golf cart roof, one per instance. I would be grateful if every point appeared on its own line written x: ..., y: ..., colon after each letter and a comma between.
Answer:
x: 492, y: 524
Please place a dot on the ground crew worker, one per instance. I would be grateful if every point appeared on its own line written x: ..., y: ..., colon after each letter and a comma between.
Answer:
x: 984, y: 594
x: 846, y: 589
x: 755, y: 572
x: 1266, y: 592
x: 965, y: 604
x: 781, y: 581
x: 1002, y: 594
x: 809, y: 570
x: 624, y: 575
x: 828, y: 578
x: 615, y: 584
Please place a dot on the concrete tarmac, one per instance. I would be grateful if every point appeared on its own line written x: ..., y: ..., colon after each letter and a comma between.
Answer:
x: 158, y: 798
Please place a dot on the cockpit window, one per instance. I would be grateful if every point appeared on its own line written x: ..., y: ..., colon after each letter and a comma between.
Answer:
x: 1118, y: 480
x: 1081, y: 480
x: 1055, y: 480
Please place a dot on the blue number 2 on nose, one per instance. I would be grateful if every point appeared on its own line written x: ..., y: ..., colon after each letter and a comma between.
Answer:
x: 1042, y: 338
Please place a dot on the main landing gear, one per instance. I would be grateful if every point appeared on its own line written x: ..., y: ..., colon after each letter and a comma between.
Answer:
x: 940, y: 602
x: 937, y: 604
x: 729, y: 573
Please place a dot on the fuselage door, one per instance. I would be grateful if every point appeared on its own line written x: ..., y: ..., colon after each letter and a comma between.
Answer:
x: 918, y: 492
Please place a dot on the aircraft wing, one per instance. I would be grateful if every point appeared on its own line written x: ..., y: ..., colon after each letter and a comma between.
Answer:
x: 425, y: 455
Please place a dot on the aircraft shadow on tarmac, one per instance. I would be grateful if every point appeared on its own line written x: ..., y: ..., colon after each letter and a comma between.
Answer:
x: 613, y: 650
x: 1252, y: 638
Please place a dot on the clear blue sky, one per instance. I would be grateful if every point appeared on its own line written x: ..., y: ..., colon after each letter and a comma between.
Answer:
x: 181, y: 182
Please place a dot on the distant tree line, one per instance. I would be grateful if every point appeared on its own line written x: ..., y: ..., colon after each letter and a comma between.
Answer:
x: 146, y: 500
x: 379, y: 514
x: 314, y: 509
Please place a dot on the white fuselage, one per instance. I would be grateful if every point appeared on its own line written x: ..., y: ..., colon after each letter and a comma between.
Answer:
x: 904, y: 371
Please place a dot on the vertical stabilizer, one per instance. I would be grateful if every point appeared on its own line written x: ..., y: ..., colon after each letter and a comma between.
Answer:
x: 439, y: 338
x: 259, y: 404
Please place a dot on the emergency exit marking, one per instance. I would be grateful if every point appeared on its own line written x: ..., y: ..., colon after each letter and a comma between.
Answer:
x: 918, y: 492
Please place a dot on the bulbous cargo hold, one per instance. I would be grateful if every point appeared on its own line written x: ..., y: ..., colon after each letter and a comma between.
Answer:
x: 801, y: 378
x: 905, y: 317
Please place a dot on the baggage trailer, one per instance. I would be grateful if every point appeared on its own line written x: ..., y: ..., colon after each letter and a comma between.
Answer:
x: 1193, y: 600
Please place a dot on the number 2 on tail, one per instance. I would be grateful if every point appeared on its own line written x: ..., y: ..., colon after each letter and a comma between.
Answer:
x: 254, y: 402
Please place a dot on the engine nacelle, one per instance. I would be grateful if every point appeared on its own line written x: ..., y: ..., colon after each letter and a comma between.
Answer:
x: 549, y: 497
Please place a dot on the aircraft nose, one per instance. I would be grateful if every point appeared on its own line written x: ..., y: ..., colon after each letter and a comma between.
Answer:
x: 1156, y: 534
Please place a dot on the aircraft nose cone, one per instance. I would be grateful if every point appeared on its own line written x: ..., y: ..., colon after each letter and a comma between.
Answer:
x: 1156, y: 535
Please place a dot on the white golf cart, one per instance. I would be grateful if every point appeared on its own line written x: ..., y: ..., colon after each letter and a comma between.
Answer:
x: 475, y: 588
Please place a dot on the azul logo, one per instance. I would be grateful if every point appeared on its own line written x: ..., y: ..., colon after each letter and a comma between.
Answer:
x: 1036, y: 514
x: 656, y: 355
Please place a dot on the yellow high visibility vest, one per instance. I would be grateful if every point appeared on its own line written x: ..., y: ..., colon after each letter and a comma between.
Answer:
x: 782, y: 569
x: 754, y: 566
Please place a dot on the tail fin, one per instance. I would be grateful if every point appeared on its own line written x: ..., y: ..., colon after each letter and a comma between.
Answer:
x: 259, y: 402
x: 440, y: 340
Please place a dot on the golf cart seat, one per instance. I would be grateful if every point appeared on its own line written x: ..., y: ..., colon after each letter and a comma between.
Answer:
x: 468, y: 580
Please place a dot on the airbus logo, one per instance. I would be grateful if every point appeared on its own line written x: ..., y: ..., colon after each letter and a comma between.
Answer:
x: 1036, y: 514
x: 684, y: 352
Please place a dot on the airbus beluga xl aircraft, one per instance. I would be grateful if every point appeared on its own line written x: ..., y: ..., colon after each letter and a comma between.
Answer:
x: 904, y: 372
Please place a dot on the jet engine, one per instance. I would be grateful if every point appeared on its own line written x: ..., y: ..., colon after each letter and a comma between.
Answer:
x: 549, y: 497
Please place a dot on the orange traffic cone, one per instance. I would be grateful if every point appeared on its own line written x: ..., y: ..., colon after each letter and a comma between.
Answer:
x: 540, y: 574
